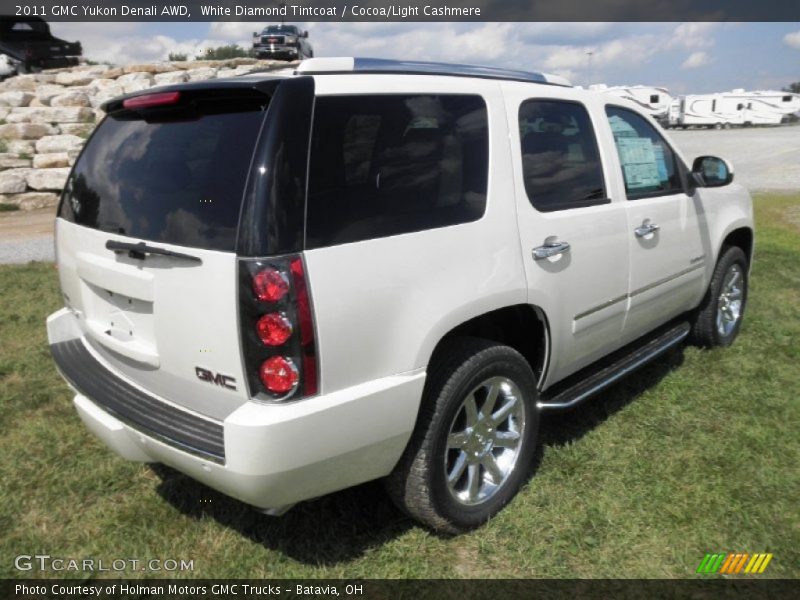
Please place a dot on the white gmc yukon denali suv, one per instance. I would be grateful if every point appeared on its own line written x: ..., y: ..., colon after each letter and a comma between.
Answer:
x: 287, y: 285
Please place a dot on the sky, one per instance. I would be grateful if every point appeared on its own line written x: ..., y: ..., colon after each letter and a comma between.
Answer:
x: 683, y: 57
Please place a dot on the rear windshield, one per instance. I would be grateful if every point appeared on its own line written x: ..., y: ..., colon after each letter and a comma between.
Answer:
x: 178, y: 180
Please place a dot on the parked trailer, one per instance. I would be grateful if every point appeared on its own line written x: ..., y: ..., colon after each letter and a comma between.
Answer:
x: 736, y: 108
x: 766, y: 107
x: 654, y: 100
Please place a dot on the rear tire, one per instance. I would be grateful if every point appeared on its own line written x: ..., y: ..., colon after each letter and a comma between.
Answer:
x: 719, y: 317
x: 474, y: 440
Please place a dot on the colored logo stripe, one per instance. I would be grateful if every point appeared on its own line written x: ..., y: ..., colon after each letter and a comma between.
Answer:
x: 733, y: 563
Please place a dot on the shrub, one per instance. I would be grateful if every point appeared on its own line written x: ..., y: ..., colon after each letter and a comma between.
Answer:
x: 225, y: 53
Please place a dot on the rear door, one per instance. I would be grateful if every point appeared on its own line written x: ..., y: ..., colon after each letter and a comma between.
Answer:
x: 571, y: 227
x: 146, y: 239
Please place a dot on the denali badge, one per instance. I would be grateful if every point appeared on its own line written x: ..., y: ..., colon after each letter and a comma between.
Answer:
x: 218, y: 378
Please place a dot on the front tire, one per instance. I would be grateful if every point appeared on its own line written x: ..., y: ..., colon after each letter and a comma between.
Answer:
x: 719, y: 317
x: 475, y: 437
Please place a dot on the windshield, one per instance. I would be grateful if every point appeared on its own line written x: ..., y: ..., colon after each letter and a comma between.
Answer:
x: 178, y: 181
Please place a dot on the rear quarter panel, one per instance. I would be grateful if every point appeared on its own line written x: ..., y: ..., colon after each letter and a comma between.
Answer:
x: 381, y: 305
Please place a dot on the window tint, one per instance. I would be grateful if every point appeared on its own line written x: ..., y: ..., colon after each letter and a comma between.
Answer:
x: 560, y: 160
x: 649, y: 167
x: 389, y: 164
x: 177, y: 181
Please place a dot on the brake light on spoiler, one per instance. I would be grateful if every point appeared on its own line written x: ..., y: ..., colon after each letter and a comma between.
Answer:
x: 151, y: 100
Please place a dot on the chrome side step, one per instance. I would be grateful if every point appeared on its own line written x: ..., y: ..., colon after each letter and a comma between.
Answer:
x: 595, y: 378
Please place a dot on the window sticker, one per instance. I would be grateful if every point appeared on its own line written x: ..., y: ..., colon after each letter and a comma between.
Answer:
x: 661, y: 163
x: 638, y: 160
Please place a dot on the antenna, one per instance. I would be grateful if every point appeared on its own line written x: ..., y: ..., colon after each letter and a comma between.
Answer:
x: 282, y: 6
x: 589, y: 54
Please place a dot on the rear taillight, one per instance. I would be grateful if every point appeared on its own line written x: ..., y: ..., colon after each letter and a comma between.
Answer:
x: 274, y: 329
x: 270, y: 285
x: 278, y: 374
x: 277, y: 328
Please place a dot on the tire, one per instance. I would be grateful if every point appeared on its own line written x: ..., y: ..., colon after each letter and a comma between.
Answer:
x: 444, y: 443
x: 719, y: 316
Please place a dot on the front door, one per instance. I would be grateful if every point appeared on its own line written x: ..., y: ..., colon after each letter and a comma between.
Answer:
x: 667, y: 260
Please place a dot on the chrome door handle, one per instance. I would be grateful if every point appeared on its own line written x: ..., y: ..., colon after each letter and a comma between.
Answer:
x: 646, y: 229
x: 550, y: 249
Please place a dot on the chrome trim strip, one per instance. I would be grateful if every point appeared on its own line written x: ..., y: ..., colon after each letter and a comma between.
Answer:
x: 641, y: 290
x: 605, y: 304
x: 650, y: 286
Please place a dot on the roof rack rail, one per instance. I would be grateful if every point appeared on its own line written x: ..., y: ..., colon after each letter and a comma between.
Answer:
x: 340, y: 65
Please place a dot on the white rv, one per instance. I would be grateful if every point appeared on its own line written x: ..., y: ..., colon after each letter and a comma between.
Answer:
x: 766, y: 107
x: 739, y: 107
x: 654, y: 100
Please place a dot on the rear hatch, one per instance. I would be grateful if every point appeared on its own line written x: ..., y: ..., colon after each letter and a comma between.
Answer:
x: 146, y: 240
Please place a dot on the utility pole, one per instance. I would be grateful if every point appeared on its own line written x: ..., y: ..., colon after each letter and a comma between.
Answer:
x: 589, y: 54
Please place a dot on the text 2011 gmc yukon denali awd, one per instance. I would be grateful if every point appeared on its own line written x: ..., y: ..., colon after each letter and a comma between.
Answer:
x: 284, y: 286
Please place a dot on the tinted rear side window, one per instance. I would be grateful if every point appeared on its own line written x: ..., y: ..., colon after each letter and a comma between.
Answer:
x: 560, y: 160
x: 389, y: 164
x: 177, y: 181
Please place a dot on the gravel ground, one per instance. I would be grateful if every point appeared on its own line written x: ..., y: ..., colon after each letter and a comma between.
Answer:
x: 22, y: 251
x: 764, y: 159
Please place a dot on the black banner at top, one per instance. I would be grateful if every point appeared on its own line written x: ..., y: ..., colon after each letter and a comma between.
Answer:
x: 405, y: 10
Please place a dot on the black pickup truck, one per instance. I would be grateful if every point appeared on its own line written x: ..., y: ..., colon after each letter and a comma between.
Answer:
x: 28, y: 43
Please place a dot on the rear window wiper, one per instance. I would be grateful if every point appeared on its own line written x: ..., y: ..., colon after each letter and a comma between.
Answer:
x: 141, y: 250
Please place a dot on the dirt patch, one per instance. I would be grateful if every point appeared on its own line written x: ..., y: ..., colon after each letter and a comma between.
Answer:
x: 20, y: 225
x: 792, y: 216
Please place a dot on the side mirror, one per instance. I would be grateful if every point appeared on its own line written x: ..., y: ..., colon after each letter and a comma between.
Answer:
x: 710, y: 171
x: 305, y: 34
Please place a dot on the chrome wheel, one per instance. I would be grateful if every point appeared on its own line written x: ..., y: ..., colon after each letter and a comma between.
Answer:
x: 729, y: 304
x: 484, y: 441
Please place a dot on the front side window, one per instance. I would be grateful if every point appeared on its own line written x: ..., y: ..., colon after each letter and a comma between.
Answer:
x: 649, y: 166
x: 560, y: 161
x: 384, y: 165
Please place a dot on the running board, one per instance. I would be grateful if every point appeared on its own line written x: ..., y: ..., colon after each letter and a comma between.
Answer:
x: 595, y: 378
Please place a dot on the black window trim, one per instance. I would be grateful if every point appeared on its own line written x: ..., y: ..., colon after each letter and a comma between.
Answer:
x: 606, y: 199
x: 682, y: 169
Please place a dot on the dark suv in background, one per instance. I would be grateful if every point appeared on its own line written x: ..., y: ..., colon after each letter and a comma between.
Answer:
x: 29, y: 45
x: 282, y: 41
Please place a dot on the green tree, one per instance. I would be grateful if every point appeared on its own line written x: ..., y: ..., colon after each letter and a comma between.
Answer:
x: 793, y: 88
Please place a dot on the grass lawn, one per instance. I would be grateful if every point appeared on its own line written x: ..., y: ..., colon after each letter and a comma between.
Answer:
x: 696, y: 453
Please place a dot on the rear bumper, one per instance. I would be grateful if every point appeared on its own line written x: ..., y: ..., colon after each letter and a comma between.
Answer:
x: 274, y: 455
